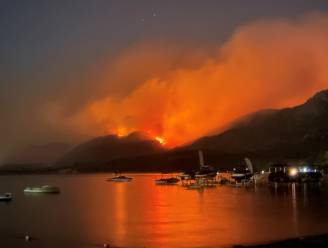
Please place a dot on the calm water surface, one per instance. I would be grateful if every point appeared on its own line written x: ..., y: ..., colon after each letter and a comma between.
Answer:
x: 90, y: 211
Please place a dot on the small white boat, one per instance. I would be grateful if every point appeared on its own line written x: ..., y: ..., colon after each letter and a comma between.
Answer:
x: 43, y: 189
x: 6, y: 197
x: 120, y: 179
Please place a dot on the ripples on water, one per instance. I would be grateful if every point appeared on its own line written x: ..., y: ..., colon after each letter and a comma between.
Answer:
x: 90, y: 211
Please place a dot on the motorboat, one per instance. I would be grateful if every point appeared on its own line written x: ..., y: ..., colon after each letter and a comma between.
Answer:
x: 43, y: 189
x: 167, y: 181
x: 120, y: 179
x: 206, y: 176
x: 240, y: 174
x: 6, y: 197
x: 243, y: 174
x: 205, y: 171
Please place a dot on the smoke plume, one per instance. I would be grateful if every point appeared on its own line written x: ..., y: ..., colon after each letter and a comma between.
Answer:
x: 182, y: 94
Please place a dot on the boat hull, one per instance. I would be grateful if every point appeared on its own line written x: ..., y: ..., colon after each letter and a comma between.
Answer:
x: 4, y: 198
x: 241, y: 176
x: 42, y: 190
x: 119, y: 180
x: 167, y: 181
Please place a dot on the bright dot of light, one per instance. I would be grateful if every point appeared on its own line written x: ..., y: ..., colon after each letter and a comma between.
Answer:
x: 293, y: 172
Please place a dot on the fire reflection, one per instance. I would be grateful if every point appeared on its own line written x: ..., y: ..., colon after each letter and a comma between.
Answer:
x: 119, y: 201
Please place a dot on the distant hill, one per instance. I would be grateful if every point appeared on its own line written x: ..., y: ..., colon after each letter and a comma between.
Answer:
x: 290, y: 134
x: 46, y: 153
x: 34, y: 157
x: 297, y: 133
x: 100, y: 151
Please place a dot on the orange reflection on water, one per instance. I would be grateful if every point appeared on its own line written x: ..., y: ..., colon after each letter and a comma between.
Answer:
x: 141, y: 214
x: 120, y: 210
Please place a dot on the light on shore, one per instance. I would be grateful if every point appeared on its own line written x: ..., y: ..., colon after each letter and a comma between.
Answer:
x: 293, y: 172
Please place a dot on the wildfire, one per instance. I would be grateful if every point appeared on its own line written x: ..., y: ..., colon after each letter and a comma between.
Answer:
x: 121, y: 132
x: 183, y: 97
x: 160, y: 140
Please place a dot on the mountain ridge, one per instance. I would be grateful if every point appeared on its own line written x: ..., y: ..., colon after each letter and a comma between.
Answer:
x: 260, y: 132
x: 289, y: 134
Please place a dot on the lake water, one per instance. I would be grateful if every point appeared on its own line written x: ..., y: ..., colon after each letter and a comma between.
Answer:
x: 91, y: 211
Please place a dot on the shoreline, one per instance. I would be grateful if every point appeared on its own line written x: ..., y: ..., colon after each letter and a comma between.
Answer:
x: 320, y: 240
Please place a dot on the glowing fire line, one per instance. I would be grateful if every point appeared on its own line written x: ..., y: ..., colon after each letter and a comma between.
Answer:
x: 160, y: 140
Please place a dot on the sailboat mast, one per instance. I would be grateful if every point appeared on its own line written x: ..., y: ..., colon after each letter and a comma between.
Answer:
x: 201, y: 158
x: 249, y: 165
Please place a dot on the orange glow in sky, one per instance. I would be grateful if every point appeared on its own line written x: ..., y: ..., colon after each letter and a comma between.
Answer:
x: 183, y: 102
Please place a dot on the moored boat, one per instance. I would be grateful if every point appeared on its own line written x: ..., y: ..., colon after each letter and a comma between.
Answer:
x: 120, y: 179
x: 240, y: 174
x: 6, y: 197
x: 43, y: 189
x: 167, y: 181
x: 206, y: 175
x: 205, y: 171
x: 243, y: 175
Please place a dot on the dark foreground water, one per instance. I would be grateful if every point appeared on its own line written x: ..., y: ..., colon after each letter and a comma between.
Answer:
x: 90, y: 211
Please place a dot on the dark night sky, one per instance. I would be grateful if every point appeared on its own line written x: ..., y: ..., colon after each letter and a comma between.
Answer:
x: 46, y: 44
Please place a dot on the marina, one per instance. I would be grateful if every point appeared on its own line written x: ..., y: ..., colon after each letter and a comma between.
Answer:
x: 245, y: 176
x: 141, y: 214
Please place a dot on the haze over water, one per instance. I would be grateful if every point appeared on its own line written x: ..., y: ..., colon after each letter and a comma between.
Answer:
x: 90, y: 211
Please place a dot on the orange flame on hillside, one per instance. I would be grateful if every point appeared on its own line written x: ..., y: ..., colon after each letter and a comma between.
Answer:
x: 121, y: 132
x: 160, y: 140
